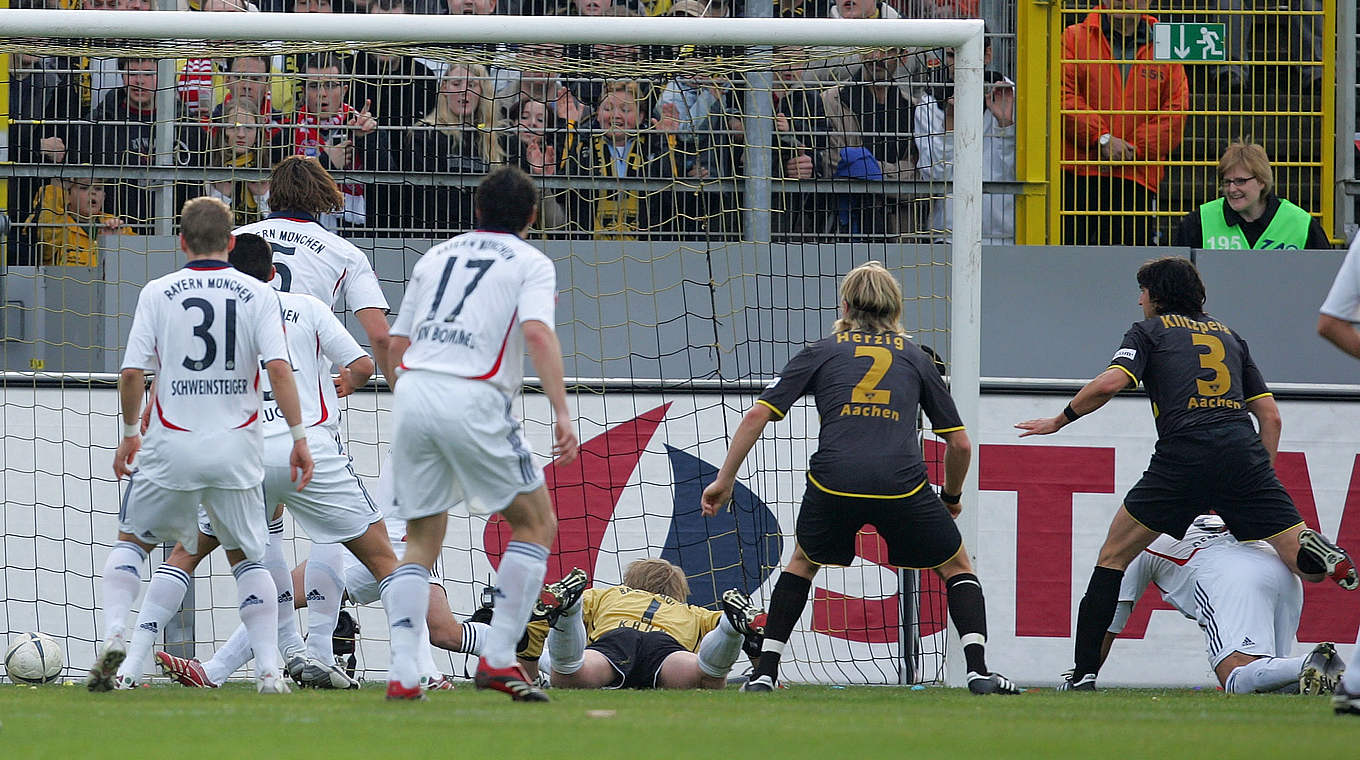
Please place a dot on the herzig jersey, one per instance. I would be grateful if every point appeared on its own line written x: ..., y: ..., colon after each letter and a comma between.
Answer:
x: 313, y: 260
x: 1197, y: 371
x: 867, y: 387
x: 465, y: 302
x: 204, y: 331
x: 316, y: 341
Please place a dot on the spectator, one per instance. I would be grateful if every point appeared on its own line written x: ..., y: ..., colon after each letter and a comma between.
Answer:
x: 870, y: 122
x: 1123, y: 115
x: 1302, y: 43
x: 846, y: 67
x: 293, y: 65
x: 456, y: 137
x: 97, y: 77
x: 400, y: 88
x: 620, y: 148
x: 1249, y: 215
x: 935, y: 143
x: 801, y: 139
x: 696, y: 109
x: 696, y: 8
x: 69, y: 219
x: 532, y: 138
x: 123, y: 134
x: 248, y: 76
x: 537, y: 78
x: 240, y: 141
x: 338, y: 135
x: 41, y: 102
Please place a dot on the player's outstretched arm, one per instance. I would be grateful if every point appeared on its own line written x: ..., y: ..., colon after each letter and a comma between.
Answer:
x: 1091, y: 397
x: 131, y: 386
x: 374, y: 322
x: 546, y: 354
x: 1267, y: 414
x: 719, y: 492
x: 1340, y: 333
x: 958, y: 455
x: 285, y: 393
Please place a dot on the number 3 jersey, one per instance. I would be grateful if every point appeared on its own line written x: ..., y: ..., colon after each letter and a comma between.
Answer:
x: 313, y: 260
x: 1197, y: 371
x: 464, y: 304
x: 867, y: 387
x: 204, y: 330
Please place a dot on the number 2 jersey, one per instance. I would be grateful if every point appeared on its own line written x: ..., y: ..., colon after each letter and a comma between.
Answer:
x: 204, y: 331
x: 465, y: 301
x: 1197, y: 372
x: 867, y: 387
x: 313, y: 260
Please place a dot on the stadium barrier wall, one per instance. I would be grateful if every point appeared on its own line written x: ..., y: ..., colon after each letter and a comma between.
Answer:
x: 1044, y: 507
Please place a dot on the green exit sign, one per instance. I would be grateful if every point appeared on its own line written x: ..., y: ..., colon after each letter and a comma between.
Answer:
x: 1188, y: 42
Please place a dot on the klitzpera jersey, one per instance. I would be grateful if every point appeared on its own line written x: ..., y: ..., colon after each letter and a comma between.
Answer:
x: 204, y: 331
x: 316, y: 341
x: 465, y: 301
x: 313, y: 260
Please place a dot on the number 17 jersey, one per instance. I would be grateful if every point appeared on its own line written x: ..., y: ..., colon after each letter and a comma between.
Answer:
x: 203, y: 330
x: 465, y: 302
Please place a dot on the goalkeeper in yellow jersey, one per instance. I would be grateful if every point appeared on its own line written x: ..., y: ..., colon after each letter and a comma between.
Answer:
x: 641, y: 634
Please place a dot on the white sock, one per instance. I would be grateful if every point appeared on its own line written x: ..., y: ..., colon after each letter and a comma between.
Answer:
x: 321, y: 581
x: 567, y: 642
x: 719, y: 649
x: 406, y: 598
x: 1265, y: 674
x: 121, y: 580
x: 163, y: 598
x: 473, y: 636
x: 230, y: 657
x: 255, y: 588
x: 290, y: 640
x: 520, y: 579
x: 425, y: 653
x: 1351, y: 678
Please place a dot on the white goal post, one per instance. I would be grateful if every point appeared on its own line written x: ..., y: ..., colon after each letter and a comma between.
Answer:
x: 964, y: 36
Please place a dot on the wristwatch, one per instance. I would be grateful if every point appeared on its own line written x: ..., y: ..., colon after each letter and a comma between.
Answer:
x: 1105, y: 139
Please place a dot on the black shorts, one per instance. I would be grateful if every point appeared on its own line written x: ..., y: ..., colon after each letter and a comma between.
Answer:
x: 918, y: 529
x: 1226, y: 470
x: 636, y: 655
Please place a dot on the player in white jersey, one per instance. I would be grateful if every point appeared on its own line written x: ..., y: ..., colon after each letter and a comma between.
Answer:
x: 204, y: 330
x: 313, y: 260
x: 1244, y: 599
x: 334, y: 508
x: 1337, y: 323
x: 473, y: 305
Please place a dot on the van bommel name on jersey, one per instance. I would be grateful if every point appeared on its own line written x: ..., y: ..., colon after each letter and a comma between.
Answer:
x: 225, y: 387
x: 452, y: 336
x: 236, y: 287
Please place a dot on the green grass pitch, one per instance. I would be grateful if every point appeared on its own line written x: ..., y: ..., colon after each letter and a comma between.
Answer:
x: 821, y: 722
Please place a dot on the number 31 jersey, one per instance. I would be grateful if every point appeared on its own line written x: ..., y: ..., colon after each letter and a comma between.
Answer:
x: 203, y: 330
x: 464, y: 304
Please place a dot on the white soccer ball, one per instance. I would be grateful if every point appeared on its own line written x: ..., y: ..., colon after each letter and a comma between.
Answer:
x: 34, y: 658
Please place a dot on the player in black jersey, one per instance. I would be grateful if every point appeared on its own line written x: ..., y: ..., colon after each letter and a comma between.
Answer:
x: 1204, y: 389
x: 868, y: 379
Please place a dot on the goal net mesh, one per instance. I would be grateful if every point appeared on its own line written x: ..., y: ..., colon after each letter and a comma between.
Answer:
x: 700, y: 202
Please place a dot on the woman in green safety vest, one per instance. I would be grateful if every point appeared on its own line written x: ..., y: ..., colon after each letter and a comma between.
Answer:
x: 1249, y: 215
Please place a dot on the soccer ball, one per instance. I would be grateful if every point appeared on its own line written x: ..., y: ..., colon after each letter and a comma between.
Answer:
x: 34, y: 658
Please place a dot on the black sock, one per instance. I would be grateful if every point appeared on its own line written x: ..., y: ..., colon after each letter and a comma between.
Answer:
x: 787, y: 601
x: 1309, y: 563
x: 1094, y: 617
x: 969, y: 613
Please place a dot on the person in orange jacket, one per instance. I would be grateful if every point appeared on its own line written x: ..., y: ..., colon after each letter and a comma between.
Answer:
x: 1123, y: 116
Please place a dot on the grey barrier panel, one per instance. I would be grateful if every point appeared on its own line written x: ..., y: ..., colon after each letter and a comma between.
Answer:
x: 739, y: 311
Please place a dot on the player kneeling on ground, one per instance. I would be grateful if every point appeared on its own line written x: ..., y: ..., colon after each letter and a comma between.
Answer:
x: 1244, y: 599
x: 642, y: 634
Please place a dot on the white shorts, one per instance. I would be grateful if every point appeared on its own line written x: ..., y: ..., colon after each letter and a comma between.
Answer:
x: 334, y: 507
x: 456, y: 441
x: 154, y: 515
x: 1250, y: 604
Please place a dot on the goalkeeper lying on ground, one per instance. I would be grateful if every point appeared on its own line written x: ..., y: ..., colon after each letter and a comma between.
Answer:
x: 640, y: 635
